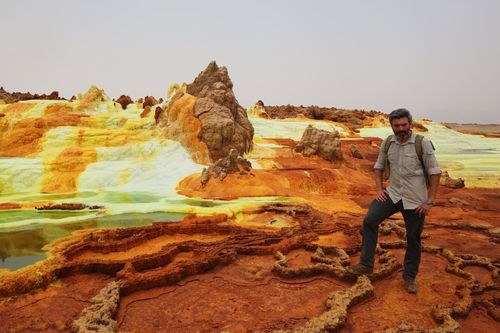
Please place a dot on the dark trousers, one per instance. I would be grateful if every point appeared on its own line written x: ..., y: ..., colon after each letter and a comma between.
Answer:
x: 414, y: 223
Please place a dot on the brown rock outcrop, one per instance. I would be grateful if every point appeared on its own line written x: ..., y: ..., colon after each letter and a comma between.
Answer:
x: 124, y: 100
x: 232, y: 163
x: 319, y: 142
x: 355, y: 152
x: 149, y: 101
x: 224, y: 123
x: 158, y: 114
x: 447, y: 181
x: 20, y: 96
x: 68, y: 206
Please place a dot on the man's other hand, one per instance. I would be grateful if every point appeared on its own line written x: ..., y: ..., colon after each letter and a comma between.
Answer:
x: 423, y: 209
x: 381, y: 195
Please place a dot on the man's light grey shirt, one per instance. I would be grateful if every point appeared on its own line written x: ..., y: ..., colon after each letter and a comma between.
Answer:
x: 407, y: 179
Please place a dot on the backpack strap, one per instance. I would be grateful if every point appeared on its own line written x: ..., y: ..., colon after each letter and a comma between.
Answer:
x: 387, y: 168
x: 420, y: 153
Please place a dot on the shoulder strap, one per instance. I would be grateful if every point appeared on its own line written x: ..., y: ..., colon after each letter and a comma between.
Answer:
x: 418, y: 146
x: 387, y: 168
x: 420, y: 152
x: 388, y: 143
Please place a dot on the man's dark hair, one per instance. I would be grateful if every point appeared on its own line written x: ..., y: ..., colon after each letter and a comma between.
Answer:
x: 400, y: 113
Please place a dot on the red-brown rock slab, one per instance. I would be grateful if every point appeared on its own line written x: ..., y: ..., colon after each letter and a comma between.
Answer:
x: 52, y: 309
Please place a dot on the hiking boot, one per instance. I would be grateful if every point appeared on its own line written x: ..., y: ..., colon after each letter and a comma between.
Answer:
x: 359, y: 269
x: 411, y: 286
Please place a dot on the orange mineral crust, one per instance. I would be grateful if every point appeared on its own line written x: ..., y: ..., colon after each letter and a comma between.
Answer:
x: 183, y: 126
x: 22, y: 137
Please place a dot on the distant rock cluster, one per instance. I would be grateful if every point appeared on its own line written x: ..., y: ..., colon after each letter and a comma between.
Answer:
x: 354, y: 119
x: 20, y: 96
x: 322, y: 143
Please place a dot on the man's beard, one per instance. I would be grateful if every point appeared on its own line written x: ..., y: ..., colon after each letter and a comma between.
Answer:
x: 402, y: 134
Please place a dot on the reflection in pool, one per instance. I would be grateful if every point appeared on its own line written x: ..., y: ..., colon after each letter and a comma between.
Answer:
x: 25, y: 246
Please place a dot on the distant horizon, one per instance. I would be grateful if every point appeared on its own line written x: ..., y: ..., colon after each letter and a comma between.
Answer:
x: 135, y: 98
x: 439, y: 59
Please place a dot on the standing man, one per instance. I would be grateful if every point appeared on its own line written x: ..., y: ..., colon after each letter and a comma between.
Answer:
x: 413, y: 182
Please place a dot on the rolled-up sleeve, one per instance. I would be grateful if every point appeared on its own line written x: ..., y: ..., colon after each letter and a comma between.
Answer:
x: 429, y: 158
x: 380, y: 164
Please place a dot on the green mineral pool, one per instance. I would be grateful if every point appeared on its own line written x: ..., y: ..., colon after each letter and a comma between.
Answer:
x: 25, y: 245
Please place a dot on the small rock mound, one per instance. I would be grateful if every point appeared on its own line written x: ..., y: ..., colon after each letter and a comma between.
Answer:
x: 224, y: 123
x: 322, y: 143
x: 149, y: 101
x: 99, y: 316
x: 258, y: 110
x: 222, y: 167
x: 91, y: 98
x: 447, y: 181
x: 355, y: 152
x: 124, y: 101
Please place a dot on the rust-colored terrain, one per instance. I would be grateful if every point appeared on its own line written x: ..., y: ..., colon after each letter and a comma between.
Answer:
x: 277, y: 268
x: 261, y: 265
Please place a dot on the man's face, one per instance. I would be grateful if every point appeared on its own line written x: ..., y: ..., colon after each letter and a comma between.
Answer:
x: 401, y: 127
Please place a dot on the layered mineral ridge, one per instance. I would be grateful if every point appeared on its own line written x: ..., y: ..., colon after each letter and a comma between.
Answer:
x: 188, y: 213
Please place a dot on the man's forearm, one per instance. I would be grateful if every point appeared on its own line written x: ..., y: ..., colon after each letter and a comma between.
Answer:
x: 434, y: 182
x: 379, y: 183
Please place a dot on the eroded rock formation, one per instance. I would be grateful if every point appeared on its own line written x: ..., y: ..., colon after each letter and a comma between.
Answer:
x: 447, y: 181
x: 232, y: 163
x: 320, y: 142
x: 224, y: 123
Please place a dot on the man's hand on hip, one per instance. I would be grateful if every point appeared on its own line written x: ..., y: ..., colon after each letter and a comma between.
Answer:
x: 381, y: 195
x: 423, y: 209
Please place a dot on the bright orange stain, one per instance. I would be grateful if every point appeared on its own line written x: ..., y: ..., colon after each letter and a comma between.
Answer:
x: 184, y: 127
x: 65, y: 169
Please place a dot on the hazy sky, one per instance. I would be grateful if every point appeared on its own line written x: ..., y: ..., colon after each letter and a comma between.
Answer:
x: 440, y: 59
